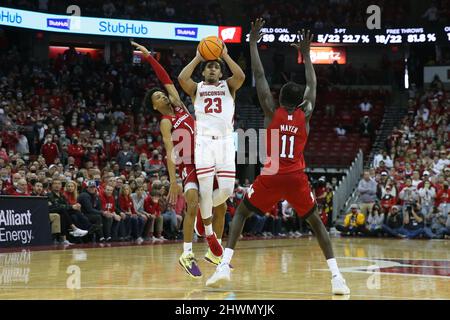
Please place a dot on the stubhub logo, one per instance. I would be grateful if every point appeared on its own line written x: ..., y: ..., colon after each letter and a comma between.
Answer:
x: 58, y: 23
x: 186, y: 32
x: 230, y: 34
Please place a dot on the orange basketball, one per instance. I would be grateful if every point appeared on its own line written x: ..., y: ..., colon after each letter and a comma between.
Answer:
x: 210, y: 48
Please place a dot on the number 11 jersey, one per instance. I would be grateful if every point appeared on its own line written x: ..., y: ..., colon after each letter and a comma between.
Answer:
x: 288, y: 144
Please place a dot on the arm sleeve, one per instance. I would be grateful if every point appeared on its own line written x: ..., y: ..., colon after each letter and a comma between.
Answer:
x: 161, y: 73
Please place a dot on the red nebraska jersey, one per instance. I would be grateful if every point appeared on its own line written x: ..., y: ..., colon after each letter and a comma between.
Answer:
x: 183, y: 126
x: 288, y: 147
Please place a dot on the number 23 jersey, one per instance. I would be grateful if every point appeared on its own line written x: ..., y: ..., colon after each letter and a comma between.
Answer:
x: 214, y: 109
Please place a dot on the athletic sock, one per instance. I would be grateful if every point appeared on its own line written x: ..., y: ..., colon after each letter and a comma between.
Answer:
x: 187, y: 247
x: 208, y: 230
x: 332, y: 265
x: 227, y: 255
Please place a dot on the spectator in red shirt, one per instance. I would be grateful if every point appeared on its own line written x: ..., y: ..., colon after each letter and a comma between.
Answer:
x: 76, y: 151
x: 50, y: 151
x: 155, y: 220
x: 273, y: 222
x: 21, y: 188
x: 126, y: 206
x: 443, y: 199
x: 73, y: 130
x: 111, y: 219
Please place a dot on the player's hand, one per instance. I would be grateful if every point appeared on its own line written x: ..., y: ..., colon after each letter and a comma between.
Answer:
x: 199, y: 56
x: 304, y: 42
x: 255, y: 32
x: 224, y: 51
x: 175, y: 101
x: 141, y: 48
x: 174, y: 190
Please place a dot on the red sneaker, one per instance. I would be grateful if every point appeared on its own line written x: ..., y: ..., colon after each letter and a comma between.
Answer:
x: 214, y: 245
x: 199, y: 227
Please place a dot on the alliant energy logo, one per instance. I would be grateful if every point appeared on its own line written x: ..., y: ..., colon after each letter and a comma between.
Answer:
x: 63, y: 24
x: 9, y: 218
x: 186, y: 32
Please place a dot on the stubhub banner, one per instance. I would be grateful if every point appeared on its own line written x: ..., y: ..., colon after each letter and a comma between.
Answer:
x: 105, y: 27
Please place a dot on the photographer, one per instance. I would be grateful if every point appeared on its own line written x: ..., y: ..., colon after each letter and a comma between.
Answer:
x: 413, y: 222
x: 393, y: 223
x: 435, y: 224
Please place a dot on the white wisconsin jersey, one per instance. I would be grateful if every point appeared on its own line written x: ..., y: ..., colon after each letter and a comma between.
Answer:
x: 214, y: 109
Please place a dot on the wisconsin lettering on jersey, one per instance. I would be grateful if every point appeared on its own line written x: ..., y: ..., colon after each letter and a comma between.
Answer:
x: 212, y: 93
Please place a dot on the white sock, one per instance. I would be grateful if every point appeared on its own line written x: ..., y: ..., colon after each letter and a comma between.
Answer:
x: 208, y: 230
x: 332, y: 264
x: 227, y: 255
x: 187, y: 247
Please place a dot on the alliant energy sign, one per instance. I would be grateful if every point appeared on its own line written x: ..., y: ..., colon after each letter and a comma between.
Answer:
x: 24, y: 221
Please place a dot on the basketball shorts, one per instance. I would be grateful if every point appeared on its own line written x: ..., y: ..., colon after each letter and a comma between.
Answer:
x: 267, y: 190
x: 214, y: 155
x: 188, y: 175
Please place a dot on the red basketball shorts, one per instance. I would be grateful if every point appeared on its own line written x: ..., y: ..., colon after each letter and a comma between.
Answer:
x: 267, y: 190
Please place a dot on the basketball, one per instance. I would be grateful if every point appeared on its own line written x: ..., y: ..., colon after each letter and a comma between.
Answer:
x: 210, y: 48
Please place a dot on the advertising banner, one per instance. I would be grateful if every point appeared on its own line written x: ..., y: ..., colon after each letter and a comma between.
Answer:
x: 24, y: 221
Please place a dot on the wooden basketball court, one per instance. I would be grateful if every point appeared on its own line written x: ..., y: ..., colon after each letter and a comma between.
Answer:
x: 264, y: 269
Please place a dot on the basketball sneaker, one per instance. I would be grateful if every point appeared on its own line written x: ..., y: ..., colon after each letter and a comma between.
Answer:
x: 189, y: 264
x: 199, y: 227
x: 214, y: 245
x: 339, y: 286
x: 78, y: 233
x: 211, y: 258
x: 220, y: 277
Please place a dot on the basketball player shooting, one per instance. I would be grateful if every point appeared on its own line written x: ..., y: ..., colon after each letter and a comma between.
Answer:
x: 176, y: 121
x: 213, y: 100
x: 289, y: 182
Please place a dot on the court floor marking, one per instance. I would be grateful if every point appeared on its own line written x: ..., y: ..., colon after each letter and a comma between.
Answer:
x: 239, y: 291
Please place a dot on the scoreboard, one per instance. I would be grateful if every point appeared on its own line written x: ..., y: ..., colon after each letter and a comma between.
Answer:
x: 350, y: 36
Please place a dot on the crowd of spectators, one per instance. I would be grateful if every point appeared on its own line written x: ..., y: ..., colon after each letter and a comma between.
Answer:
x: 406, y: 191
x: 190, y: 11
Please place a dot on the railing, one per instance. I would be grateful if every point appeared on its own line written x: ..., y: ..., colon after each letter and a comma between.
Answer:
x: 347, y: 184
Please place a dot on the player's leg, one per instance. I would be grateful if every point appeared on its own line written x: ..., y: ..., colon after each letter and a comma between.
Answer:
x: 205, y: 170
x: 259, y: 198
x: 187, y: 259
x: 218, y: 222
x: 302, y: 200
x: 225, y: 170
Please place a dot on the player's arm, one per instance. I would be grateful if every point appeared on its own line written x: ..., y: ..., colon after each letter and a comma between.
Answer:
x: 304, y: 46
x: 162, y: 75
x: 238, y: 77
x: 262, y: 87
x: 185, y: 77
x: 166, y: 131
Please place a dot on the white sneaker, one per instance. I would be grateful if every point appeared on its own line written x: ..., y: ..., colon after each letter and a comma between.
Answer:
x: 67, y: 243
x: 338, y: 285
x: 78, y: 233
x: 220, y: 277
x: 162, y: 238
x: 139, y: 240
x: 155, y: 239
x: 297, y: 234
